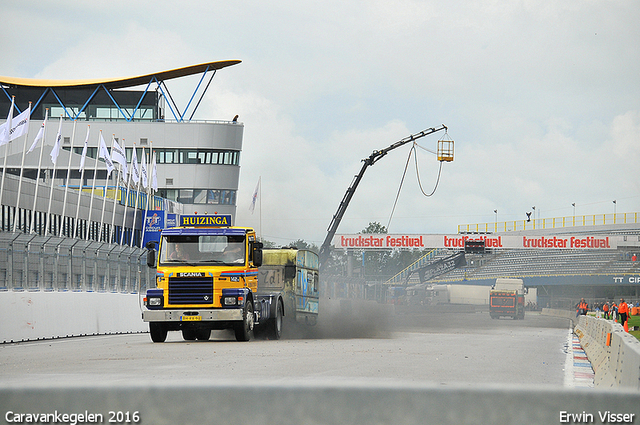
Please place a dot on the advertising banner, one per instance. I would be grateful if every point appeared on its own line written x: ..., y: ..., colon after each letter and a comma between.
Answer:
x: 154, y: 222
x: 425, y: 241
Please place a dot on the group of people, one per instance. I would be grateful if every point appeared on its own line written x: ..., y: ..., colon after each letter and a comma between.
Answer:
x: 609, y: 310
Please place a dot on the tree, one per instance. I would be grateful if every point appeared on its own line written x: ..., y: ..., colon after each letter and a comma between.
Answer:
x: 374, y: 260
x: 375, y: 227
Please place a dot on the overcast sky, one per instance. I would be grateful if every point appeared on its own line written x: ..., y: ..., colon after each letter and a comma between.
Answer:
x: 542, y: 99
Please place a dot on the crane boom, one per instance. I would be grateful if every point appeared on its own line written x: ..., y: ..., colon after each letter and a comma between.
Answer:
x: 372, y: 159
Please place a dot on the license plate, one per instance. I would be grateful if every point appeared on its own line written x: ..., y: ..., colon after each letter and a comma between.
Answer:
x: 191, y: 318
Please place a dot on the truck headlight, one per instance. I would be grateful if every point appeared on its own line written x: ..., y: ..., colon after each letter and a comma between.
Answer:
x: 155, y: 301
x: 230, y: 301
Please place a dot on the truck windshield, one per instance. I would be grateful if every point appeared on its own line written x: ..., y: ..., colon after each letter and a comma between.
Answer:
x: 211, y: 250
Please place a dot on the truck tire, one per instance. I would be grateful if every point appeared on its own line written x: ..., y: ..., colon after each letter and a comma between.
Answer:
x: 158, y: 332
x: 243, y: 329
x: 275, y: 325
x: 189, y: 334
x: 203, y: 334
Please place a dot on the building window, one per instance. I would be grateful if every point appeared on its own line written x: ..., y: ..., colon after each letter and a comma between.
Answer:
x: 200, y: 196
x: 197, y: 156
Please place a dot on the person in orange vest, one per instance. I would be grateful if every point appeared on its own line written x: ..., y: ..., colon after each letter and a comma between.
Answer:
x: 605, y: 310
x: 623, y: 311
x: 581, y: 308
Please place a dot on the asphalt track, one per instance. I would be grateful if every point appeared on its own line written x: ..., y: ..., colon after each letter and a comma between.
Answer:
x: 350, y: 345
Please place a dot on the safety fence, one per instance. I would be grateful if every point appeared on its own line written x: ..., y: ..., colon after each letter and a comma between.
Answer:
x: 551, y: 223
x: 30, y: 262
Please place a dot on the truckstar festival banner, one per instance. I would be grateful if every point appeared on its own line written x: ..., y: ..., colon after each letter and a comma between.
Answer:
x: 411, y: 241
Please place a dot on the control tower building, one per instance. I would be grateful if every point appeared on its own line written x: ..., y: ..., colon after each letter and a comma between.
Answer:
x: 198, y: 162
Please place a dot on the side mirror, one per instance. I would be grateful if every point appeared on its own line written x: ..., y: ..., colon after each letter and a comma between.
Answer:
x: 257, y: 254
x: 151, y: 257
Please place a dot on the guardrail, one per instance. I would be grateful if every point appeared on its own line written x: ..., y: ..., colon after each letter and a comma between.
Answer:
x: 551, y: 223
x: 53, y: 287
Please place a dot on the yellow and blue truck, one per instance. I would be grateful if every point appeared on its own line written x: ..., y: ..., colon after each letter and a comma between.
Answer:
x: 207, y: 278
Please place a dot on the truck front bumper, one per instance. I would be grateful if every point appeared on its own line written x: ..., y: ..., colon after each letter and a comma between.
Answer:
x: 176, y: 315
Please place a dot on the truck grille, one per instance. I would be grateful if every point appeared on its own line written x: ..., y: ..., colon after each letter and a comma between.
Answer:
x: 190, y: 290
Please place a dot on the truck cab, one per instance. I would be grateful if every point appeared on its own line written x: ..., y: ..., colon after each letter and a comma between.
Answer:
x: 206, y: 278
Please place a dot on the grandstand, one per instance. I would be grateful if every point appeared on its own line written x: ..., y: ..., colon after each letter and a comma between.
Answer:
x: 559, y: 274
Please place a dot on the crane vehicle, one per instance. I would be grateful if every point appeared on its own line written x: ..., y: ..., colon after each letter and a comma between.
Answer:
x: 445, y: 153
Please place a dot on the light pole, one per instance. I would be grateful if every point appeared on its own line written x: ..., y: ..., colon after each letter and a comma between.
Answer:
x: 496, y: 211
x: 534, y: 216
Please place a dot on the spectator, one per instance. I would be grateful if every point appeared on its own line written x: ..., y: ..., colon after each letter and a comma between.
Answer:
x: 623, y: 311
x: 581, y: 308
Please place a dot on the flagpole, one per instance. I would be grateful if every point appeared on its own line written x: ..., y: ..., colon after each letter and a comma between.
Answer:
x: 135, y: 208
x: 147, y: 190
x: 24, y: 152
x: 115, y: 195
x: 260, y: 195
x: 81, y: 186
x: 35, y: 195
x: 126, y: 201
x: 53, y: 175
x: 6, y: 149
x: 66, y: 186
x: 93, y: 187
x: 106, y: 185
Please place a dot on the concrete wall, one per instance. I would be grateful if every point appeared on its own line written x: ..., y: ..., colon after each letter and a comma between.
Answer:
x: 616, y: 364
x: 614, y: 354
x: 28, y: 316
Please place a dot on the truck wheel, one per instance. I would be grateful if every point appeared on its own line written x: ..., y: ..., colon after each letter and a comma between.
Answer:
x: 158, y: 332
x: 189, y: 334
x: 275, y: 324
x: 244, y: 328
x: 203, y: 334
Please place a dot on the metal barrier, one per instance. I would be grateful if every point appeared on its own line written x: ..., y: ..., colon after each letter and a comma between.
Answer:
x: 38, y: 263
x: 551, y: 223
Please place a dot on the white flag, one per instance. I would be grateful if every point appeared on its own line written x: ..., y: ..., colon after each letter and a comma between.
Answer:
x: 15, y: 126
x: 135, y: 171
x: 84, y: 149
x: 104, y: 154
x: 118, y: 155
x: 143, y: 166
x: 4, y: 128
x: 56, y: 146
x: 154, y: 173
x: 255, y: 196
x: 39, y: 137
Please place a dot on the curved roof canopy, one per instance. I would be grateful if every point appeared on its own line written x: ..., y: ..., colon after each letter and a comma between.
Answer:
x: 119, y: 83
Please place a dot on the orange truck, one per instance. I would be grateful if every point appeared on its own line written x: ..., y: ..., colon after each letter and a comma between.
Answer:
x: 506, y: 298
